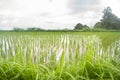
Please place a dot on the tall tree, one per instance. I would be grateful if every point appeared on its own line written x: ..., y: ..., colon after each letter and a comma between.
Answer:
x: 80, y: 26
x: 109, y: 21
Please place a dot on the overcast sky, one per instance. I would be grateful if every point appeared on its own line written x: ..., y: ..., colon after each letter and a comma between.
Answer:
x: 53, y: 14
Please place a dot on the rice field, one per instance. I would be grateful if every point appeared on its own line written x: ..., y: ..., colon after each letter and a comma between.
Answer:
x: 59, y: 55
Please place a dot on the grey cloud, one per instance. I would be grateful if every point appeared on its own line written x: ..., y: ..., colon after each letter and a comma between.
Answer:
x: 79, y: 6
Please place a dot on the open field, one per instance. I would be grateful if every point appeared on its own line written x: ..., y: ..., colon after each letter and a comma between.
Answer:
x: 59, y: 55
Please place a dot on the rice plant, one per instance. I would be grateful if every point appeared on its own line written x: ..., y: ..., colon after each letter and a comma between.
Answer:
x: 58, y: 56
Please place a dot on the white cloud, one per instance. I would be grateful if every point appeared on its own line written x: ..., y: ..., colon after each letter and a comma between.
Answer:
x: 52, y: 14
x: 114, y: 4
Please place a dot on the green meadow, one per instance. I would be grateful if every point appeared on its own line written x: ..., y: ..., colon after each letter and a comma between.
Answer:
x: 59, y: 55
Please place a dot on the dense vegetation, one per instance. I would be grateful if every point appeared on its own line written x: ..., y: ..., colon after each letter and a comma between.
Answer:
x: 80, y: 54
x: 81, y: 26
x: 59, y: 55
x: 109, y: 21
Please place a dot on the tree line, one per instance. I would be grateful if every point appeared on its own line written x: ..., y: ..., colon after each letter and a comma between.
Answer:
x: 109, y: 21
x: 28, y: 29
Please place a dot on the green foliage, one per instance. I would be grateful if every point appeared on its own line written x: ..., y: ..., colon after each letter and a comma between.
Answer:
x: 28, y: 29
x: 34, y: 29
x: 109, y: 21
x: 98, y: 25
x: 18, y: 29
x: 86, y: 29
x: 59, y: 56
x: 80, y: 26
